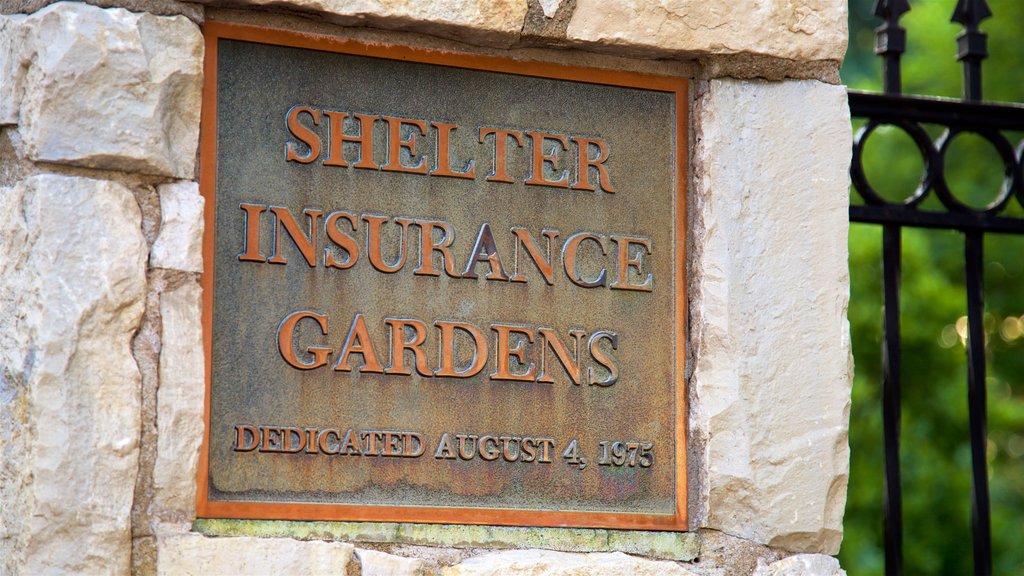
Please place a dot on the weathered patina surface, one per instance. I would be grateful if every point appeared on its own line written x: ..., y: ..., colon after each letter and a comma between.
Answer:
x: 437, y: 288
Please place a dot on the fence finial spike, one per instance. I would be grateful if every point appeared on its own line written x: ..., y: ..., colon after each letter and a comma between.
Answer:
x: 972, y: 43
x: 891, y: 41
x: 970, y: 13
x: 891, y: 9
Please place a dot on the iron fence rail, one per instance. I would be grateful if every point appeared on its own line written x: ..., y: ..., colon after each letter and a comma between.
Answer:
x: 908, y: 113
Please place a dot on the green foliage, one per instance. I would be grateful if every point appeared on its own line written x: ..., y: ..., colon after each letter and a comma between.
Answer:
x: 936, y: 456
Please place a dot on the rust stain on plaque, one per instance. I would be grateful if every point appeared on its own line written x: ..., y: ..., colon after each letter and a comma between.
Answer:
x: 440, y: 287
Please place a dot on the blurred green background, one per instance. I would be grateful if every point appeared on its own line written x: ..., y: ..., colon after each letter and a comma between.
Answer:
x: 936, y: 454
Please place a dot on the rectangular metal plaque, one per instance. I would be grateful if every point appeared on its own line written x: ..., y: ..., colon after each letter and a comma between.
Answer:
x: 440, y: 287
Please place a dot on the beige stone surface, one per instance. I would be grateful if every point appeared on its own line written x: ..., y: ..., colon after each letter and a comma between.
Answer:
x: 71, y: 298
x: 190, y: 554
x: 104, y: 88
x: 528, y: 54
x: 179, y: 404
x: 158, y: 7
x: 374, y: 563
x: 802, y: 565
x: 725, y: 555
x: 179, y: 245
x: 13, y: 35
x: 487, y: 22
x: 794, y: 29
x: 769, y: 288
x: 548, y: 563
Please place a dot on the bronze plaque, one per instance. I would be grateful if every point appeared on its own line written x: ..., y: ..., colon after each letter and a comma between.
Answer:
x: 440, y: 287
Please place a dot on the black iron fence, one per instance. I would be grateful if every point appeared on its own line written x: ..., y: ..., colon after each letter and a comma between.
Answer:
x: 967, y: 115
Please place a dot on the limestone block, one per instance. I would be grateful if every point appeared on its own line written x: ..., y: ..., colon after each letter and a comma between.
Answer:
x: 95, y: 87
x: 374, y: 563
x: 179, y: 246
x: 179, y: 404
x: 548, y: 563
x: 725, y: 555
x: 190, y: 554
x: 71, y: 297
x: 491, y: 22
x: 13, y: 36
x: 802, y: 565
x: 803, y: 30
x: 769, y: 288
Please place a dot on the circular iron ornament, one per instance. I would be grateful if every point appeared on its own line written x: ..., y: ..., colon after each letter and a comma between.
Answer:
x: 929, y: 155
x: 1006, y: 152
x: 1020, y: 173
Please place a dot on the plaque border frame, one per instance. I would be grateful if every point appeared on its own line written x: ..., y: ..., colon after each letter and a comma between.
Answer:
x: 215, y: 30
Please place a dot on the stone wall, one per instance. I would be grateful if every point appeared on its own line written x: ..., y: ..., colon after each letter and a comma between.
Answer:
x: 101, y: 379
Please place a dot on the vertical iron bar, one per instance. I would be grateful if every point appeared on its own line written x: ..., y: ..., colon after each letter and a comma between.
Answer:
x: 976, y: 402
x: 972, y: 79
x: 972, y: 48
x: 891, y: 42
x: 892, y: 82
x: 891, y: 409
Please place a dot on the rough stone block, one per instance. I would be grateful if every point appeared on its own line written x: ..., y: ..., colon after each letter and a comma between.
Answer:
x: 374, y: 563
x: 548, y: 563
x: 179, y: 246
x: 179, y: 404
x: 769, y: 288
x: 190, y: 554
x: 71, y: 297
x: 104, y: 88
x: 489, y: 22
x: 803, y: 30
x: 13, y: 35
x: 802, y: 565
